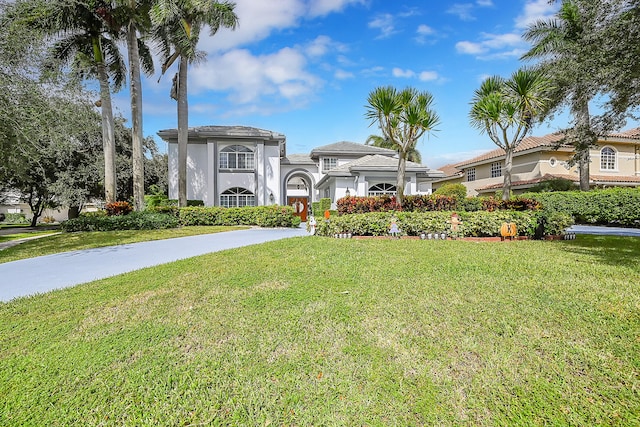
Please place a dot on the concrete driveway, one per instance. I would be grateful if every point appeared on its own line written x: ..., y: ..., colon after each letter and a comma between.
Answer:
x: 46, y: 273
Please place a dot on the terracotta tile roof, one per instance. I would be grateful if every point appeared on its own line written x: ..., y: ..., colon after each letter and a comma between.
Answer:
x: 532, y: 142
x: 450, y: 170
x: 595, y: 179
x: 528, y: 143
x: 627, y: 134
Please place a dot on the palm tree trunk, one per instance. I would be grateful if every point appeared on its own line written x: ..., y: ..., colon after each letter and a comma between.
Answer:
x: 183, y: 131
x: 402, y: 167
x: 135, y: 88
x: 508, y: 163
x: 108, y: 138
x: 584, y: 143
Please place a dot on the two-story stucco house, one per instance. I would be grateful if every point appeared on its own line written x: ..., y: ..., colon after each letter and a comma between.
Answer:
x: 244, y: 166
x: 615, y: 161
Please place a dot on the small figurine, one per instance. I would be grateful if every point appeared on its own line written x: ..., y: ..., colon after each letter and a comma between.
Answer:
x: 394, y: 230
x: 312, y: 225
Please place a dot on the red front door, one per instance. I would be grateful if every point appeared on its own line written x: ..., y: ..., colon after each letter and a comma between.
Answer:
x: 300, y: 207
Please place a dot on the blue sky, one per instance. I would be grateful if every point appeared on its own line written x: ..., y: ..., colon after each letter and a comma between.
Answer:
x: 304, y: 68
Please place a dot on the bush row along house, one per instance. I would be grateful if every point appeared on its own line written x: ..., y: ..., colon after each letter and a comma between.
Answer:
x: 615, y: 161
x: 244, y: 166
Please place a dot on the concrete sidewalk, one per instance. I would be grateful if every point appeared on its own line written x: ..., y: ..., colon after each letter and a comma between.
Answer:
x: 45, y: 273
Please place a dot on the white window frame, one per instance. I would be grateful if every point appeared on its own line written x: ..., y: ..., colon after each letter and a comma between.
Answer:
x: 329, y: 163
x: 237, y: 197
x: 382, y: 189
x: 237, y: 157
x: 609, y: 161
x: 496, y: 170
x: 471, y: 174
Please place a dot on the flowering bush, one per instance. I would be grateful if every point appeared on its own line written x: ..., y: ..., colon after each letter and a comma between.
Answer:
x: 118, y: 208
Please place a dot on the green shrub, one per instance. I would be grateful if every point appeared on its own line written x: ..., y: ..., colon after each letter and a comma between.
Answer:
x: 132, y: 221
x: 262, y: 216
x: 612, y: 206
x: 165, y: 209
x: 458, y: 191
x: 15, y: 218
x: 325, y: 204
x: 474, y: 224
x: 174, y: 202
x: 315, y: 209
x: 155, y: 200
x: 94, y: 214
x: 554, y: 184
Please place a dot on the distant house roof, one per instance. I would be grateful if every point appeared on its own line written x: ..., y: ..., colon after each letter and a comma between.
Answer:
x: 536, y: 143
x: 595, y: 179
x: 235, y: 132
x: 350, y: 149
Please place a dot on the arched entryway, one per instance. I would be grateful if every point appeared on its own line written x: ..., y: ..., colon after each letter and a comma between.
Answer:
x: 299, y: 194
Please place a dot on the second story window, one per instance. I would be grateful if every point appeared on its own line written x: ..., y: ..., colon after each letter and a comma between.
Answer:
x: 471, y: 174
x: 236, y: 157
x: 608, y: 159
x: 496, y: 169
x: 329, y: 163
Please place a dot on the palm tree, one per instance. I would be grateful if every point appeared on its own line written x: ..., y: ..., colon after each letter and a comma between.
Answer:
x: 413, y: 155
x: 560, y: 45
x: 178, y: 25
x: 506, y: 110
x: 403, y: 117
x: 136, y: 13
x: 84, y: 41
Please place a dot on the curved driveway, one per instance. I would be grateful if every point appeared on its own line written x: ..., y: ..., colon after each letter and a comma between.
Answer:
x: 45, y: 273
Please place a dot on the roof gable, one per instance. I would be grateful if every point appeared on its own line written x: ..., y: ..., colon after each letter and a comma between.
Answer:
x: 346, y: 148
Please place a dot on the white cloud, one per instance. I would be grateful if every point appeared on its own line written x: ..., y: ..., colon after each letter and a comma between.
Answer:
x: 399, y: 72
x: 470, y: 48
x: 322, y: 45
x: 324, y: 7
x: 462, y: 11
x: 425, y: 76
x: 493, y: 46
x: 248, y: 78
x: 343, y: 75
x: 385, y: 23
x: 484, y: 3
x: 428, y: 76
x: 535, y: 10
x: 425, y: 30
x: 257, y: 19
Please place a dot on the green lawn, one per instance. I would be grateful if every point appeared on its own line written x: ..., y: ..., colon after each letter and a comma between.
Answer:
x: 74, y: 241
x: 17, y: 236
x: 332, y: 332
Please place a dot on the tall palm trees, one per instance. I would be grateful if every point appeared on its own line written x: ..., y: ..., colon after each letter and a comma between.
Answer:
x: 403, y: 117
x: 179, y: 23
x: 565, y: 47
x: 136, y: 13
x: 506, y: 109
x: 85, y: 42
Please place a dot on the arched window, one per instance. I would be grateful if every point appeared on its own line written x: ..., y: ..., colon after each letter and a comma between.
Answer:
x: 236, y: 157
x: 382, y: 189
x: 237, y: 197
x: 608, y: 159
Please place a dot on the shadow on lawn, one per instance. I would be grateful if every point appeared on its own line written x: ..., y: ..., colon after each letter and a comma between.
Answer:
x: 614, y: 250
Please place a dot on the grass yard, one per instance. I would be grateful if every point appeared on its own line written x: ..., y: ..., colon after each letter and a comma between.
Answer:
x: 332, y: 332
x: 96, y: 239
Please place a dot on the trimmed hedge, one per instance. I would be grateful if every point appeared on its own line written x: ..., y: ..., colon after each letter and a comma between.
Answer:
x: 612, y: 206
x: 431, y: 203
x: 475, y: 224
x: 262, y: 216
x: 132, y: 221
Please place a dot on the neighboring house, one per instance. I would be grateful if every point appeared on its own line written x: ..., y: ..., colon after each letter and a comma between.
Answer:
x: 614, y: 162
x: 244, y: 166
